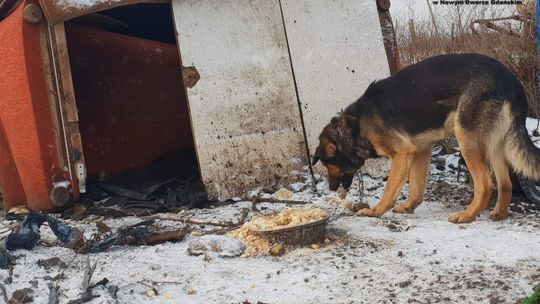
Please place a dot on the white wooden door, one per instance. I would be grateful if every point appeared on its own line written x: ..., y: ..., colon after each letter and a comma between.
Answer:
x: 337, y: 50
x: 244, y: 110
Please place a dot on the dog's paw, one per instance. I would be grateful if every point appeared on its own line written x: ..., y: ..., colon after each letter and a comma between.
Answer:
x: 461, y: 217
x: 368, y: 212
x: 497, y: 215
x: 403, y: 209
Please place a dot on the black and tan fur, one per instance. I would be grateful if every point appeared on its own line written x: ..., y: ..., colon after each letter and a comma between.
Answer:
x: 473, y: 97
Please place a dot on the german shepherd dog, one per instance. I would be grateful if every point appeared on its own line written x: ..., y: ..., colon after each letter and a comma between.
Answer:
x: 473, y: 97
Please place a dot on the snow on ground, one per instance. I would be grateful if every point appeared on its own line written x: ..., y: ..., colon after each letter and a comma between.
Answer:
x: 82, y: 3
x: 417, y: 258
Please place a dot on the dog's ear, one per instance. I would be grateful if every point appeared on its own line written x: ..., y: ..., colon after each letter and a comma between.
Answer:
x: 316, y: 156
x: 352, y: 121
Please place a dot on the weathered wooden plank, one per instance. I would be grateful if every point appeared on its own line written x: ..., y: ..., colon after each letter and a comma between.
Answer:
x: 68, y: 107
x: 244, y: 110
x: 52, y: 92
x: 337, y: 50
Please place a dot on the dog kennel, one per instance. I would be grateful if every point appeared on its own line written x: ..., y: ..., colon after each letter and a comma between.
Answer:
x: 237, y: 90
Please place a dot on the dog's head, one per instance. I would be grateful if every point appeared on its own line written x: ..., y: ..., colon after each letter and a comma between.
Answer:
x: 341, y: 150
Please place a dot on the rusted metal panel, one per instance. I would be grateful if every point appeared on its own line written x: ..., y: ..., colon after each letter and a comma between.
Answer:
x: 58, y: 11
x: 337, y: 50
x: 244, y: 110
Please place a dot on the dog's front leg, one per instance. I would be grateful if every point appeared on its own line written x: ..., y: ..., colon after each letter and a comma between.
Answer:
x: 399, y: 171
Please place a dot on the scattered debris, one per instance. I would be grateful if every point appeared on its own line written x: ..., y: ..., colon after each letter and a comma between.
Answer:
x: 151, y: 293
x: 168, y: 183
x: 277, y: 250
x: 102, y: 227
x: 342, y: 193
x: 216, y: 245
x: 168, y: 296
x: 18, y: 211
x: 28, y: 236
x: 4, y: 293
x: 138, y: 234
x: 283, y: 194
x: 54, y: 293
x: 51, y: 262
x: 344, y: 203
x: 239, y: 222
x: 25, y: 295
x: 87, y: 294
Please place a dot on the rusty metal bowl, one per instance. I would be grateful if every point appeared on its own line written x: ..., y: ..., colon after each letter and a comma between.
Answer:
x: 300, y: 235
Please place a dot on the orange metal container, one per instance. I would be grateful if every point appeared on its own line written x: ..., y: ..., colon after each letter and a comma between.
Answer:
x: 130, y: 102
x: 29, y: 165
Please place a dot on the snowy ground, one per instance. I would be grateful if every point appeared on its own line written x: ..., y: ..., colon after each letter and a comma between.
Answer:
x: 418, y: 258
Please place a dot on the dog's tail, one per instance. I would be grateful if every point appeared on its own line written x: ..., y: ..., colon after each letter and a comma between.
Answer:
x: 521, y: 153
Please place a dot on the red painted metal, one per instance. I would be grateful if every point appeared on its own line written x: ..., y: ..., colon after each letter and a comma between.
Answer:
x: 28, y: 130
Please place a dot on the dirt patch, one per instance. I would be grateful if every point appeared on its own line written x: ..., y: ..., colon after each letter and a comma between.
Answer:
x: 51, y: 263
x: 449, y: 194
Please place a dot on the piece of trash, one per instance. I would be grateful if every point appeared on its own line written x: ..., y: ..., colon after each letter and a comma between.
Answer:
x: 151, y: 293
x: 218, y: 245
x: 51, y: 262
x: 196, y: 233
x: 168, y: 296
x: 283, y: 194
x: 19, y: 210
x: 315, y: 246
x: 28, y: 236
x: 277, y: 250
x: 298, y: 186
x: 25, y: 295
x: 343, y: 203
x: 102, y: 227
x: 138, y: 234
x: 131, y: 274
x: 342, y: 193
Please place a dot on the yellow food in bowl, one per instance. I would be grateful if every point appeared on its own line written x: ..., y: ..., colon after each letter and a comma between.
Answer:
x: 256, y: 245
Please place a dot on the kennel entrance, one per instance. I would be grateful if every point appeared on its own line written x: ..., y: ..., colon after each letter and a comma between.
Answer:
x: 133, y: 115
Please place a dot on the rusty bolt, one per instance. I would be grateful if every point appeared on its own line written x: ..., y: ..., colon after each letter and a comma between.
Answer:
x: 60, y: 195
x: 383, y: 4
x: 32, y: 14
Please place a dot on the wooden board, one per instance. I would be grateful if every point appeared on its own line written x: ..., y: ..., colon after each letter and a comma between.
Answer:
x: 337, y: 50
x: 68, y: 109
x: 244, y: 111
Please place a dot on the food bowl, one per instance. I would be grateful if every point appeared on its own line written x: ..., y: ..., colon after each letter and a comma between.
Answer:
x: 300, y: 235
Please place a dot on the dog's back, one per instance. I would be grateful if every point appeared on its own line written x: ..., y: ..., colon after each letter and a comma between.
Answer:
x: 421, y: 96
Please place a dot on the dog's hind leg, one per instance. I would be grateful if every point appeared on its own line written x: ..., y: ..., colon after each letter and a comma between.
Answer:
x: 475, y: 154
x: 504, y: 186
x: 417, y: 182
x: 399, y: 172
